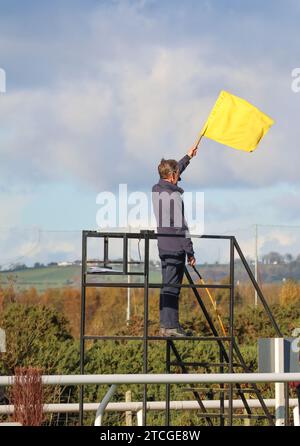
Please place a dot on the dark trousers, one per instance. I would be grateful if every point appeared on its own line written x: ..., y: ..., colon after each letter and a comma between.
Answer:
x: 172, y: 273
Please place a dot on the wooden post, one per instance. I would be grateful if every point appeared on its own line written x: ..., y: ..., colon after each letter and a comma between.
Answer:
x: 128, y: 413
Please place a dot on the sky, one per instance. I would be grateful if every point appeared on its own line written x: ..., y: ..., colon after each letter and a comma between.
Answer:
x: 97, y: 92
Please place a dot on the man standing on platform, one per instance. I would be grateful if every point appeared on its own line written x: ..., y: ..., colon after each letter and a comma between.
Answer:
x: 173, y: 249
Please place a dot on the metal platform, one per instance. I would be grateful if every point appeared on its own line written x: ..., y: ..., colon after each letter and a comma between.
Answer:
x: 230, y: 357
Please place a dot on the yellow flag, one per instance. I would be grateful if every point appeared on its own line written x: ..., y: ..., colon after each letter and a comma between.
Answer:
x: 236, y: 123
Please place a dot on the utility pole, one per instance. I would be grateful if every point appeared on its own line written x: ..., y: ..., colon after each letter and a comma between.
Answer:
x: 256, y: 262
x: 128, y: 312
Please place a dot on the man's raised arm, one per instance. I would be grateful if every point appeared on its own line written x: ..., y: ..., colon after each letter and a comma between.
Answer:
x: 185, y: 161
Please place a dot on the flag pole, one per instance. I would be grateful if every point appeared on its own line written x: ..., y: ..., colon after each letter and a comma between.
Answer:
x: 201, y: 135
x: 198, y: 140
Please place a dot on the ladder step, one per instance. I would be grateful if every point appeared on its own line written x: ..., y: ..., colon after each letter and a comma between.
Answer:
x: 201, y: 364
x: 251, y: 416
x: 207, y: 389
x: 236, y: 416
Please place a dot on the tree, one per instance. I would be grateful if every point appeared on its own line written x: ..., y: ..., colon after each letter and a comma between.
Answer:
x: 18, y: 267
x: 288, y: 258
x: 272, y: 257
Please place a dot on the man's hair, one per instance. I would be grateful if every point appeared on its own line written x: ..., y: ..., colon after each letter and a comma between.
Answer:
x: 166, y: 167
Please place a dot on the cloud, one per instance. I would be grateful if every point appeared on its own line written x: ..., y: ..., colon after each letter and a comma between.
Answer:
x: 284, y: 240
x: 142, y: 113
x: 52, y: 135
x: 31, y: 244
x: 98, y: 94
x: 138, y: 95
x: 288, y: 204
x: 12, y: 206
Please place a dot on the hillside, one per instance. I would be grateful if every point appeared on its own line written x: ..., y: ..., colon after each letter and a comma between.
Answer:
x: 64, y: 276
x: 43, y: 278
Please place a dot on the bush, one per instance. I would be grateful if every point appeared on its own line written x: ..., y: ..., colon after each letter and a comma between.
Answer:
x: 41, y: 336
x: 290, y: 292
x: 36, y: 336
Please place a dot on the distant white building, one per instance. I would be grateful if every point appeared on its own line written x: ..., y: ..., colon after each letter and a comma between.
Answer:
x: 65, y: 263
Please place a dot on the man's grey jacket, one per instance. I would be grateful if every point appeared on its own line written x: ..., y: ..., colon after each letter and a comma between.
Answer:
x: 168, y: 209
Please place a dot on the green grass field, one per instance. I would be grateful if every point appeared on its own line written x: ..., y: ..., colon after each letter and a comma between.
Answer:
x: 65, y: 276
x: 43, y: 278
x: 58, y: 277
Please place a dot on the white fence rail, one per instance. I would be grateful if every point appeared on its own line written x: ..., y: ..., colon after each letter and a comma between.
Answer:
x: 172, y: 378
x: 118, y: 379
x: 136, y: 406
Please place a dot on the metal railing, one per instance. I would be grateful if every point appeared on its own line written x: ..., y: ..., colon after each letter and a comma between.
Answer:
x: 118, y: 379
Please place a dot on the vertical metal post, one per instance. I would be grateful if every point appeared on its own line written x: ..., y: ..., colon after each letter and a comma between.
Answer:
x: 125, y: 253
x: 222, y: 405
x: 168, y: 368
x: 287, y: 403
x: 82, y: 322
x: 105, y: 255
x: 128, y: 312
x: 279, y: 387
x: 256, y: 265
x: 146, y: 316
x: 231, y: 331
